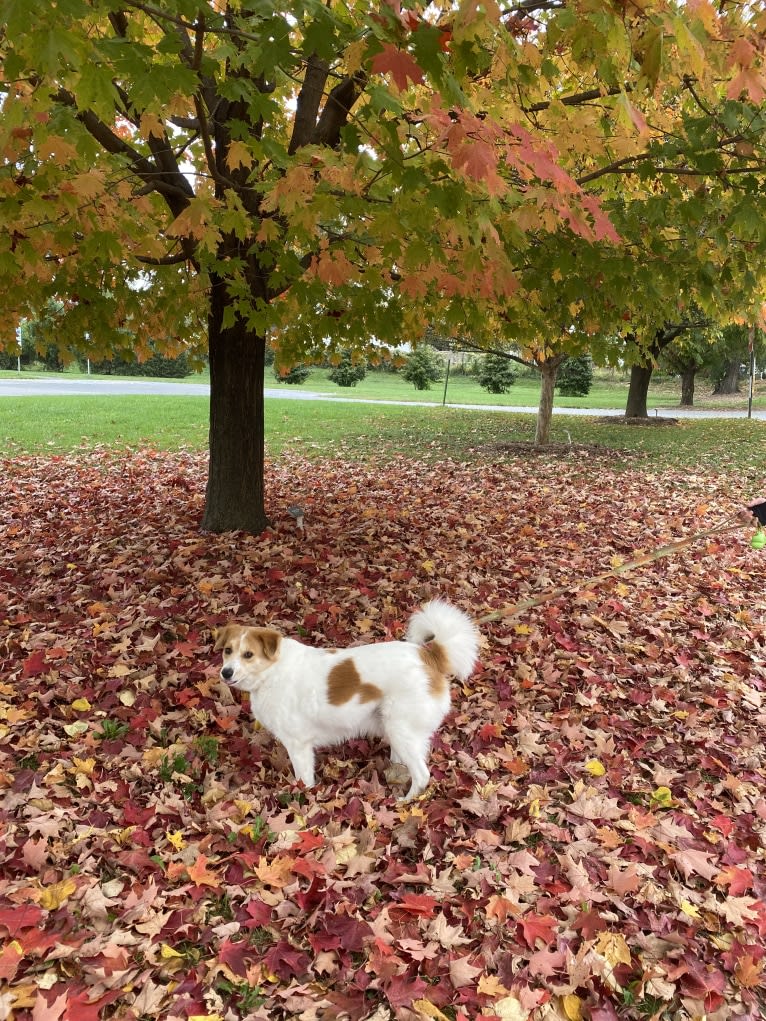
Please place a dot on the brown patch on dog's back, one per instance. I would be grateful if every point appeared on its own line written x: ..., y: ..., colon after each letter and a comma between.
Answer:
x: 436, y: 662
x: 343, y: 682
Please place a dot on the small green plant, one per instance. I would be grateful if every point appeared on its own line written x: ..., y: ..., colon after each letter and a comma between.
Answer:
x: 347, y: 372
x: 245, y: 997
x: 208, y: 748
x: 575, y: 377
x: 169, y: 766
x: 497, y: 374
x: 422, y: 368
x: 112, y: 730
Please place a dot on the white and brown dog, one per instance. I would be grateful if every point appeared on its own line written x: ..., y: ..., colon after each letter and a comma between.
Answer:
x: 311, y: 697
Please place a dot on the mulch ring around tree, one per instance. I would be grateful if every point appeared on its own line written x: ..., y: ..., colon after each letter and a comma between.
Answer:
x: 648, y: 420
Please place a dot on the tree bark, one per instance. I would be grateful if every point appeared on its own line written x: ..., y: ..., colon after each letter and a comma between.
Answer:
x: 729, y: 384
x: 687, y: 386
x: 640, y: 377
x: 548, y: 372
x: 234, y: 499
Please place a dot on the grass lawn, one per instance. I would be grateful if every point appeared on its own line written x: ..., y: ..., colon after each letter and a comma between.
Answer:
x: 609, y: 390
x: 55, y: 425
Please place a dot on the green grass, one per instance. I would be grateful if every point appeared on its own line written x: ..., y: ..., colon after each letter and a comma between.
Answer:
x: 53, y: 425
x: 609, y: 390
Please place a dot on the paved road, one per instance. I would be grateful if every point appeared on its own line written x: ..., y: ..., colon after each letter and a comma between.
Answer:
x: 61, y: 387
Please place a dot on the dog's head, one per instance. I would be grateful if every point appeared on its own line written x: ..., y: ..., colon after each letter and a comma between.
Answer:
x: 247, y: 652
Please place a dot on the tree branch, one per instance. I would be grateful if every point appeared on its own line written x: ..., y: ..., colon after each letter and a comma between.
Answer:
x: 309, y: 98
x: 337, y: 109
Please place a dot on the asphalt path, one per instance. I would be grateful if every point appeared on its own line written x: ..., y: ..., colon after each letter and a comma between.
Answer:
x: 22, y: 387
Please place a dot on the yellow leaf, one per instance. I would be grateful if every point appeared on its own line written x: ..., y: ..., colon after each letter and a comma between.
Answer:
x: 595, y: 767
x: 490, y: 985
x: 176, y: 838
x: 534, y: 808
x: 150, y: 125
x: 572, y: 1007
x: 52, y: 897
x: 81, y: 705
x: 429, y: 1010
x: 168, y: 953
x: 662, y: 798
x: 689, y: 909
x: 428, y: 566
x: 82, y: 767
x: 238, y: 156
x: 205, y: 1017
x: 612, y: 946
x: 522, y: 629
x: 127, y: 697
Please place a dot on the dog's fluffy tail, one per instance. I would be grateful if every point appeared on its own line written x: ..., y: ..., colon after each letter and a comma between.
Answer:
x: 455, y: 632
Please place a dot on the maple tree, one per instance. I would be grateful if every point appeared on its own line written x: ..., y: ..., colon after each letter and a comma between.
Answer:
x: 591, y: 845
x: 336, y: 176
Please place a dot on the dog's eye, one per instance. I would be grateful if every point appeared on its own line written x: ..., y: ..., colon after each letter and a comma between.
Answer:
x: 247, y: 655
x: 227, y: 651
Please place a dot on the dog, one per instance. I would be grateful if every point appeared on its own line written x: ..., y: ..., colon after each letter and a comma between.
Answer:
x: 308, y: 697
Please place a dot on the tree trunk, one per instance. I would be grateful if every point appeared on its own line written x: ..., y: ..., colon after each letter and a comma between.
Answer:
x: 640, y: 377
x: 234, y: 500
x: 729, y: 384
x: 687, y: 387
x: 548, y: 372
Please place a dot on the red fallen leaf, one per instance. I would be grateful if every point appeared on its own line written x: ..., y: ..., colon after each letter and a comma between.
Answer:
x: 237, y: 956
x: 352, y: 932
x: 490, y: 730
x: 285, y: 961
x: 80, y: 1008
x: 308, y: 841
x: 258, y: 912
x: 16, y: 919
x: 10, y: 958
x: 737, y: 880
x: 589, y: 923
x: 308, y: 867
x: 723, y: 823
x: 34, y: 664
x: 538, y: 927
x: 417, y: 904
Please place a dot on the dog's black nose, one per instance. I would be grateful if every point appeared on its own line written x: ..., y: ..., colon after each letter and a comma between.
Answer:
x: 227, y: 673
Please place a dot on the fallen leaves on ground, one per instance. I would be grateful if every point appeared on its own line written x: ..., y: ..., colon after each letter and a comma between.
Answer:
x: 591, y: 847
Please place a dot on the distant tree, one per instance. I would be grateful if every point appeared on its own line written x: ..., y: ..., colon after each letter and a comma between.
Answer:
x: 496, y: 374
x: 346, y: 372
x: 727, y: 357
x: 575, y: 377
x: 422, y: 368
x: 294, y: 375
x: 688, y: 354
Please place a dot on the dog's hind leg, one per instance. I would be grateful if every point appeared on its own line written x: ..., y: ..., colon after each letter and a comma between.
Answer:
x: 302, y: 759
x: 411, y: 751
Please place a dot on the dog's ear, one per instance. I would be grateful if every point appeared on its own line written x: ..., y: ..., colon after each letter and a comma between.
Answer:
x: 221, y: 636
x: 270, y: 640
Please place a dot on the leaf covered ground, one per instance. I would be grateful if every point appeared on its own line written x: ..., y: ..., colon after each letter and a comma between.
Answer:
x: 592, y: 845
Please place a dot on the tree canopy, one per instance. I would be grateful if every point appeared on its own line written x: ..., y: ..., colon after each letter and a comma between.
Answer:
x: 337, y: 175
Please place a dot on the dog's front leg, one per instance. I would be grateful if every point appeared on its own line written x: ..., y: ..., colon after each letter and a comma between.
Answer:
x: 302, y: 759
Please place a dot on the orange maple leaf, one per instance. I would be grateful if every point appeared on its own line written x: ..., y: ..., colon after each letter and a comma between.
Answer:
x: 201, y: 875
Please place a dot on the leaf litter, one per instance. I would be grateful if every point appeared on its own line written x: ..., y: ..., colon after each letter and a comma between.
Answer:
x: 592, y: 845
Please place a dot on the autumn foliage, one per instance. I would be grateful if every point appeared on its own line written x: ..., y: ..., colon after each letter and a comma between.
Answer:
x: 592, y: 843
